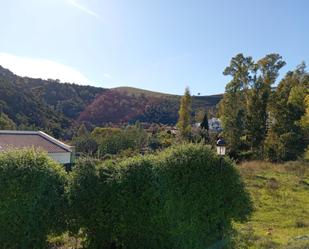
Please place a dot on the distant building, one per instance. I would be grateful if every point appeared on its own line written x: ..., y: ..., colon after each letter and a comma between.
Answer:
x: 215, y: 125
x: 57, y: 150
x: 197, y: 125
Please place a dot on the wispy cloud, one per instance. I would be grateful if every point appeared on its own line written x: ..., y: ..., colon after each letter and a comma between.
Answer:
x: 83, y: 8
x: 42, y: 68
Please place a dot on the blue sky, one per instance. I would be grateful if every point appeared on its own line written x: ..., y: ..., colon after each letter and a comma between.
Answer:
x: 161, y: 45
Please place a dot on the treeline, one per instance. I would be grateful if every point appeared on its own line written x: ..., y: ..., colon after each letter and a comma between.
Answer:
x: 185, y: 197
x: 260, y: 121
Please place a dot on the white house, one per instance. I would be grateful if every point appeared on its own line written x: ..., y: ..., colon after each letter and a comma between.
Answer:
x: 60, y: 152
x: 215, y: 125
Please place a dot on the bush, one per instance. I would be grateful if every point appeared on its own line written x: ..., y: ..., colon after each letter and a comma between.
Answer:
x: 185, y: 197
x: 115, y: 140
x: 248, y: 156
x: 286, y: 147
x: 32, y: 199
x: 85, y: 144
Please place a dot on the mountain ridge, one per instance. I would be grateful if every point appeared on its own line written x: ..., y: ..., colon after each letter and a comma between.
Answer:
x: 59, y: 108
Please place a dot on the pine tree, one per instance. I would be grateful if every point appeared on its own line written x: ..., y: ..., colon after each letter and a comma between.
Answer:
x: 205, y: 128
x: 204, y: 124
x: 184, y: 120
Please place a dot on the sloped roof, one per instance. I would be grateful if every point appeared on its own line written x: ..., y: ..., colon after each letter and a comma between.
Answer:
x: 29, y: 139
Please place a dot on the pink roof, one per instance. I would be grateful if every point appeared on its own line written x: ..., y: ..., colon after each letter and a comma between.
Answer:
x: 28, y: 139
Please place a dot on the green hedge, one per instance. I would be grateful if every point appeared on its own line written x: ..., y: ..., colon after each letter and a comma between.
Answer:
x: 32, y: 199
x: 183, y: 198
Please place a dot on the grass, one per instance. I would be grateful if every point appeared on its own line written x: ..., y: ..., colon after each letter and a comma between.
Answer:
x: 280, y: 194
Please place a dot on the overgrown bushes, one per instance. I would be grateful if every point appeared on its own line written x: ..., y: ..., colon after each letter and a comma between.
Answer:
x: 185, y: 197
x: 32, y: 199
x: 104, y: 142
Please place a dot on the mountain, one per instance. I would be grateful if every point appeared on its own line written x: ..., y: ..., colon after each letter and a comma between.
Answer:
x: 58, y: 108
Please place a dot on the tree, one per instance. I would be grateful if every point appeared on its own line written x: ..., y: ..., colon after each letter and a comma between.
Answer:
x: 205, y: 127
x: 82, y: 130
x: 85, y: 145
x: 265, y: 74
x: 113, y: 141
x: 184, y: 120
x: 6, y: 123
x: 204, y: 124
x: 244, y: 108
x: 286, y: 139
x: 234, y: 102
x: 305, y: 125
x: 305, y: 118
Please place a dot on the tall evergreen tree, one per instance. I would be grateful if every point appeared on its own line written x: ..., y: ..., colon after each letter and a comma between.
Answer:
x: 204, y: 124
x: 184, y: 120
x: 205, y: 128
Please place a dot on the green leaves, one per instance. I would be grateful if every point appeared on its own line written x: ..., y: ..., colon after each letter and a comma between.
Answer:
x: 175, y: 199
x: 32, y: 199
x: 185, y: 197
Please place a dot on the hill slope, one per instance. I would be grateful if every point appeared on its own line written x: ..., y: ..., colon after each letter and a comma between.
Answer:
x: 47, y: 105
x: 126, y: 104
x: 57, y: 107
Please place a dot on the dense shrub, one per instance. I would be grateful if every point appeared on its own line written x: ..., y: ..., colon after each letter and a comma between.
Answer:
x: 32, y: 199
x: 286, y: 147
x: 115, y: 140
x: 184, y: 198
x: 85, y: 145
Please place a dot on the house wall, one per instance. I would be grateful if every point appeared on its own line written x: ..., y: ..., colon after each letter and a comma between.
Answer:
x: 61, y: 158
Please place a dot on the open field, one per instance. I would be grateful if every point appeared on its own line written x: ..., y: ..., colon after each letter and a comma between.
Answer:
x: 280, y: 193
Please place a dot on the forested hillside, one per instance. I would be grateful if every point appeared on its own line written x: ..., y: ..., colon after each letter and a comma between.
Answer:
x: 25, y: 109
x: 27, y: 103
x: 42, y: 104
x: 130, y: 104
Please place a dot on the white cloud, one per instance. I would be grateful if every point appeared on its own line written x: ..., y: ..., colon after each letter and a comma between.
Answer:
x: 41, y: 68
x: 83, y: 8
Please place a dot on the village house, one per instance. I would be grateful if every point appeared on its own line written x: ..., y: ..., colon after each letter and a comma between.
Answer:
x: 58, y: 151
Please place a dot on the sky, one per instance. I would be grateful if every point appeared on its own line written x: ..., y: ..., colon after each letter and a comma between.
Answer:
x: 159, y: 45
